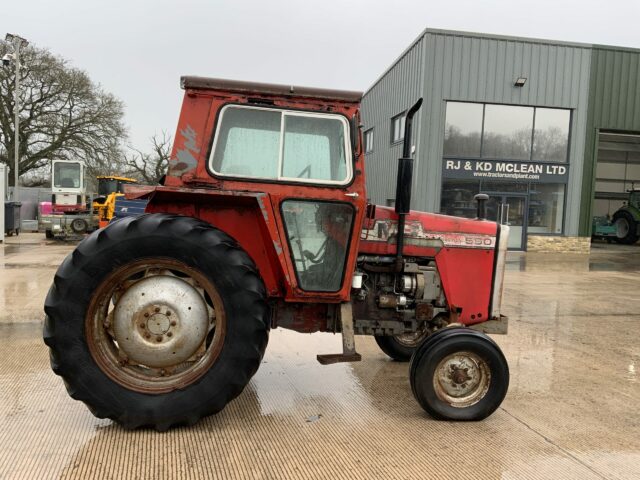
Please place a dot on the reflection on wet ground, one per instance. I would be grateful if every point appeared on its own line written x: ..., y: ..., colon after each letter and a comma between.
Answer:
x: 27, y: 265
x: 570, y: 412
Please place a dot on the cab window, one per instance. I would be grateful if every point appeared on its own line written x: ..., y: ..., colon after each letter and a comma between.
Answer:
x: 261, y: 143
x: 67, y: 175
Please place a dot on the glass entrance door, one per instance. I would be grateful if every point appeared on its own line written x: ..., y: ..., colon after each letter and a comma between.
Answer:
x: 509, y: 209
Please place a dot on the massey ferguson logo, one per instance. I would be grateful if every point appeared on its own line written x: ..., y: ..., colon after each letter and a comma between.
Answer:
x: 385, y: 231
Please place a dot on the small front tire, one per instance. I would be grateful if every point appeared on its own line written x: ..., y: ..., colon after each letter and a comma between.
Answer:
x: 459, y: 374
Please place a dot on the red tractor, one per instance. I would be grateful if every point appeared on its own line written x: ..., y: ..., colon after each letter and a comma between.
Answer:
x: 262, y: 221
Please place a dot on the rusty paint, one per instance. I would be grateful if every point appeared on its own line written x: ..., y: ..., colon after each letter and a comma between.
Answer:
x: 185, y: 159
x: 260, y: 198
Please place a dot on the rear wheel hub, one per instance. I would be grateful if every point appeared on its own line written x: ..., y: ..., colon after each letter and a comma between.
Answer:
x: 155, y: 325
x: 160, y: 321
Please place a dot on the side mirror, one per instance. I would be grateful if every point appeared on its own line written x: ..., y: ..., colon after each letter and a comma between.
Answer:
x: 481, y: 198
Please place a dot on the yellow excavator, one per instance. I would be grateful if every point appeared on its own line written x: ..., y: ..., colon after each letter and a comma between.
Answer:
x: 109, y: 188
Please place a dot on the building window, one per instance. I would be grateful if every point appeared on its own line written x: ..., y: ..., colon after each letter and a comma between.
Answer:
x: 551, y: 135
x: 368, y: 141
x: 546, y: 208
x: 463, y: 130
x: 506, y: 132
x: 457, y: 198
x: 397, y: 128
x: 545, y: 202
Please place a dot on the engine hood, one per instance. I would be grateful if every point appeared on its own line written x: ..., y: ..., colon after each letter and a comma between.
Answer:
x: 424, y: 231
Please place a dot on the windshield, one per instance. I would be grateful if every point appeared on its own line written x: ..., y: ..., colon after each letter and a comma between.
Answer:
x: 281, y: 144
x: 66, y: 175
x: 107, y: 186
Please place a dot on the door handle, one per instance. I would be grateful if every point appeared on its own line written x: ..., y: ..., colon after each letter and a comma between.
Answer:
x: 354, y: 195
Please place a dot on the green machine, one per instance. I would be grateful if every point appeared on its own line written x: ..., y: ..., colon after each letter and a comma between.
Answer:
x: 626, y: 220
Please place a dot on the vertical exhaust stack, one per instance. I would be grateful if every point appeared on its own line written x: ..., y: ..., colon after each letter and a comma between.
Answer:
x: 481, y: 200
x: 404, y: 182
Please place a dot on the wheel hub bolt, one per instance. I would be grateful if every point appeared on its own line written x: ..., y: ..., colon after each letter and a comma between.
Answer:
x: 146, y: 314
x: 142, y: 325
x: 157, y: 309
x: 169, y: 334
x: 159, y: 338
x: 173, y: 323
x: 168, y: 313
x: 146, y: 335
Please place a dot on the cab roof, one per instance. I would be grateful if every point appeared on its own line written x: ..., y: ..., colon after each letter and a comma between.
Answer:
x: 206, y: 83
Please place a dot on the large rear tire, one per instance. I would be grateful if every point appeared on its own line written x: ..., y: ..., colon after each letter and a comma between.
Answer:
x: 157, y: 321
x: 459, y: 374
x: 626, y: 228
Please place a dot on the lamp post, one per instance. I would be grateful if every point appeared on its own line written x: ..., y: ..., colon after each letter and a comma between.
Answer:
x: 17, y: 42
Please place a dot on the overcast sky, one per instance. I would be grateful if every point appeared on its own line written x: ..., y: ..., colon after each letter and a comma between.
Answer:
x: 138, y: 50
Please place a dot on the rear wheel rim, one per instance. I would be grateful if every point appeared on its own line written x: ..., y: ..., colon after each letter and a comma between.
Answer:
x: 461, y: 379
x: 411, y: 340
x: 155, y: 325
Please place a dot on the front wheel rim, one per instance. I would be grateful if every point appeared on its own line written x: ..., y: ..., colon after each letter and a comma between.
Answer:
x: 462, y: 379
x: 146, y: 340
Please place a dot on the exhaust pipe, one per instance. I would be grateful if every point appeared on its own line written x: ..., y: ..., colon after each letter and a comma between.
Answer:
x: 403, y: 184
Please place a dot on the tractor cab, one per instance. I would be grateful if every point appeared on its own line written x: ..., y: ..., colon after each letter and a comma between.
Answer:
x: 110, y: 184
x: 634, y: 198
x: 67, y: 186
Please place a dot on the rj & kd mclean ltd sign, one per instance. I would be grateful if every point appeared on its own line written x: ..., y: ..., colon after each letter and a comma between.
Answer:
x: 506, y: 170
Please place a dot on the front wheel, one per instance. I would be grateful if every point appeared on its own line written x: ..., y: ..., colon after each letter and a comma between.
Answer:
x: 459, y: 374
x: 157, y: 321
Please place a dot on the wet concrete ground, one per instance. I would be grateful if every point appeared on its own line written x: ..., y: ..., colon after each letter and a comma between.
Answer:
x: 571, y: 411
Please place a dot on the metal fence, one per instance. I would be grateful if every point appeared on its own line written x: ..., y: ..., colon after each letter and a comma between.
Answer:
x: 30, y: 198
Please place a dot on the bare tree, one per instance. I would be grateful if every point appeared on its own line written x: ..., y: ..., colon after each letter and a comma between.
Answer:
x: 150, y: 167
x: 63, y: 115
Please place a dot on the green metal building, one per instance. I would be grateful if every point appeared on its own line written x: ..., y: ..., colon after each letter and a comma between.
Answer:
x: 612, y: 146
x: 550, y: 130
